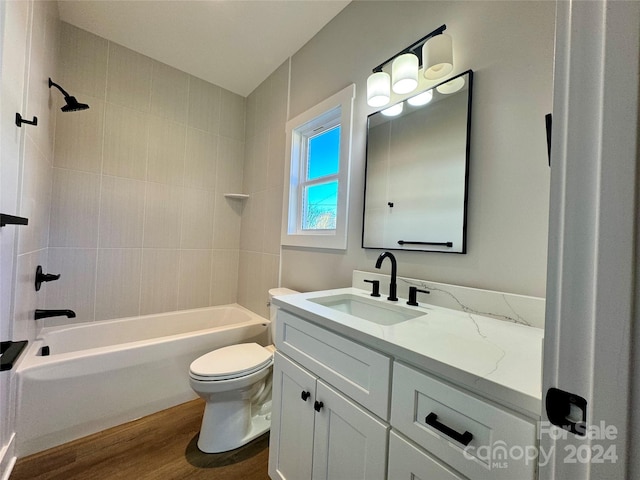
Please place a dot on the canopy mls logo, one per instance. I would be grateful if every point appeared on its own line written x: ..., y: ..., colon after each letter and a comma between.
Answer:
x: 598, y: 446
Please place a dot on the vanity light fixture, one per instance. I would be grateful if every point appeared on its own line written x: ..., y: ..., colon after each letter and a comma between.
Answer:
x: 404, y: 72
x: 421, y: 99
x: 434, y: 52
x: 452, y: 86
x: 378, y: 89
x: 393, y: 110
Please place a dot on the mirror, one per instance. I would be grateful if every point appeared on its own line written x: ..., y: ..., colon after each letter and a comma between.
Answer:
x: 417, y: 171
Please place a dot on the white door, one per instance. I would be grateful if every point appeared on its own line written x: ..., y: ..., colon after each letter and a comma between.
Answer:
x: 593, y: 216
x: 292, y: 421
x: 349, y: 443
x: 14, y: 27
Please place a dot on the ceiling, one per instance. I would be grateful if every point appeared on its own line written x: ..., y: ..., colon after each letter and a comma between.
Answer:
x: 235, y: 44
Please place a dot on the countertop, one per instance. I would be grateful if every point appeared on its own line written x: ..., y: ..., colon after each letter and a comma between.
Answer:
x: 498, y: 360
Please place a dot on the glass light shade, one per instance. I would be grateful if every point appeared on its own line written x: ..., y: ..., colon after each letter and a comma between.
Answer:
x: 421, y: 99
x: 452, y: 86
x: 437, y: 56
x: 393, y: 110
x: 378, y: 89
x: 404, y: 72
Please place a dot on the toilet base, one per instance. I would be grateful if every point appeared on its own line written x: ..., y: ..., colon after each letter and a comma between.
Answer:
x: 219, y: 443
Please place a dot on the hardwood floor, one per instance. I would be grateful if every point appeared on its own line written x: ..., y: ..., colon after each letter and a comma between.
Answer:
x: 159, y: 446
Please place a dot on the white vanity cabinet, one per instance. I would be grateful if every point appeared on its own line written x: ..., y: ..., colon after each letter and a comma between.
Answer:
x: 378, y: 417
x: 327, y: 391
x: 318, y: 433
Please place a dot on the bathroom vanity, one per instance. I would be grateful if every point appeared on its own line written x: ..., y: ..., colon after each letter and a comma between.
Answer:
x: 365, y: 388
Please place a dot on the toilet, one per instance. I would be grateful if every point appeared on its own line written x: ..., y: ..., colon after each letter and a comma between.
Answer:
x: 235, y: 382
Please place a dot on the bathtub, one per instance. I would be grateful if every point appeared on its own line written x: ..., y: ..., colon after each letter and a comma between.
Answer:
x: 101, y: 374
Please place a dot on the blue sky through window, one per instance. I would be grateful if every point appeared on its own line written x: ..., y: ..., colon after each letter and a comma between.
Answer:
x: 321, y: 200
x: 324, y: 154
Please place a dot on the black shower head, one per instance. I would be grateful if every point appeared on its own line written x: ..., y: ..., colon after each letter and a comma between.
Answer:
x: 72, y: 103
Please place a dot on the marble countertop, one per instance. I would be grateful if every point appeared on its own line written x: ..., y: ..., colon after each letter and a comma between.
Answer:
x: 499, y: 360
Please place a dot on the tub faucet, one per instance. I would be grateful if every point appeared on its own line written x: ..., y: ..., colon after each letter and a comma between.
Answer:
x: 54, y: 313
x: 394, y: 270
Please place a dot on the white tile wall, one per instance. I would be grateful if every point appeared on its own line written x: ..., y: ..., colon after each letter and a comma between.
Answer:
x: 121, y: 212
x: 166, y: 151
x: 204, y: 105
x: 118, y: 282
x: 201, y: 158
x: 78, y: 143
x: 125, y: 142
x: 163, y: 210
x: 75, y: 289
x: 194, y: 285
x: 129, y: 78
x: 263, y: 180
x: 138, y: 185
x: 159, y: 292
x: 74, y: 209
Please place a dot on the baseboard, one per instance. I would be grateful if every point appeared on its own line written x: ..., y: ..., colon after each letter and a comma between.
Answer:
x: 7, y: 458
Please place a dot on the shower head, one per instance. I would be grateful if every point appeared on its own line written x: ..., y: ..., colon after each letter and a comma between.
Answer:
x: 72, y: 104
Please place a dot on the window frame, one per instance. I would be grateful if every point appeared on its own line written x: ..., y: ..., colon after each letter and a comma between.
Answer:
x: 335, y: 110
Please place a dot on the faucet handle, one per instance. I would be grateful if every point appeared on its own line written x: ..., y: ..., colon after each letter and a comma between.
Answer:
x: 376, y: 287
x: 44, y: 277
x: 413, y: 296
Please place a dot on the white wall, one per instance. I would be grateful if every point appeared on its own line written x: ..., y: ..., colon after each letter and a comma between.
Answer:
x: 29, y: 42
x: 509, y: 45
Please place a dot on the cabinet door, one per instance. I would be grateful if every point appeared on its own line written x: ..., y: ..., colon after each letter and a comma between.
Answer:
x: 349, y: 443
x: 292, y: 421
x: 408, y: 462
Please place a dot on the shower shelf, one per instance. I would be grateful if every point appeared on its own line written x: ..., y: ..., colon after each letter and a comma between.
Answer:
x: 9, y: 353
x: 12, y: 220
x: 237, y: 196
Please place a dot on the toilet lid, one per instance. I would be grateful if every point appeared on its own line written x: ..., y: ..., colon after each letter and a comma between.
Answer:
x: 231, y: 362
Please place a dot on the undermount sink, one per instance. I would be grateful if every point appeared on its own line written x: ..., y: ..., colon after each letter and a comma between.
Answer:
x: 368, y: 309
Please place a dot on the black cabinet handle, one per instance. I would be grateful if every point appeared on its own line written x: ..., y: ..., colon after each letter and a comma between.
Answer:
x: 317, y: 406
x: 463, y: 438
x: 305, y: 395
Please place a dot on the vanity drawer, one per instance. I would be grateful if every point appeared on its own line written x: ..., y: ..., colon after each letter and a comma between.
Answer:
x: 441, y: 419
x: 359, y: 372
x: 408, y: 462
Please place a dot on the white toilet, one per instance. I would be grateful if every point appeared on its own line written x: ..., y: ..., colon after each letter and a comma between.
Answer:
x: 235, y: 381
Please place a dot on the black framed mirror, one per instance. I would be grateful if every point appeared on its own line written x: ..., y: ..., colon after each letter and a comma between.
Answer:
x: 417, y: 171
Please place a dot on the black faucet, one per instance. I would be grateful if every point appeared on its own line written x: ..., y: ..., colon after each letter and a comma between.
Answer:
x: 394, y: 270
x: 54, y: 313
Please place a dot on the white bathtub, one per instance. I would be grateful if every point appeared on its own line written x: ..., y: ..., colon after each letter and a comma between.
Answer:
x: 102, y: 374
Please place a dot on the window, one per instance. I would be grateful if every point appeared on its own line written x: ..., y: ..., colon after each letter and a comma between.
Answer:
x: 317, y: 177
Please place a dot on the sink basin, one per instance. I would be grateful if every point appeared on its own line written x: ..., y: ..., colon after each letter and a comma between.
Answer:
x: 368, y: 309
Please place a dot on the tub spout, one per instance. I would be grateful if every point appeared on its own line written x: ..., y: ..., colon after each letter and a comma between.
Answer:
x: 53, y: 313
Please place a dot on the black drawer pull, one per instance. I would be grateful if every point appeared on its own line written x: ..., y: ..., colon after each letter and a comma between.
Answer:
x: 317, y: 406
x: 463, y: 438
x: 305, y: 395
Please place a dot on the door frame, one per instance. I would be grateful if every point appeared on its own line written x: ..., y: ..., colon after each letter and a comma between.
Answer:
x: 592, y: 259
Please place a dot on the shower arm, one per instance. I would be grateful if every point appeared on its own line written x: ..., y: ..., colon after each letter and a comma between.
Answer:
x: 53, y: 84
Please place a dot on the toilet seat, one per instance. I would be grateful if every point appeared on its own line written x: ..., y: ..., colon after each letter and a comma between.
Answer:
x: 230, y: 362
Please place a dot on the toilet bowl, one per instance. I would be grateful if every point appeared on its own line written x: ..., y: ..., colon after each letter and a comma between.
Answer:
x: 235, y: 382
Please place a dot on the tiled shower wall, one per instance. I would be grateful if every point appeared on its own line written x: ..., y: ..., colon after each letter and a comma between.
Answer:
x: 263, y: 181
x: 139, y: 222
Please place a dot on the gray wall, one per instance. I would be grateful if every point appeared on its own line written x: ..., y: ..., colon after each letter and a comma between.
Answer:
x: 509, y: 45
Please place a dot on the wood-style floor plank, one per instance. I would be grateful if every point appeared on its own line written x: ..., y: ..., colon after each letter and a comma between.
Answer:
x: 159, y: 446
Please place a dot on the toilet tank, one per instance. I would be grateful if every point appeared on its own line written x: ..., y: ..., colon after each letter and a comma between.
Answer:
x: 273, y: 310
